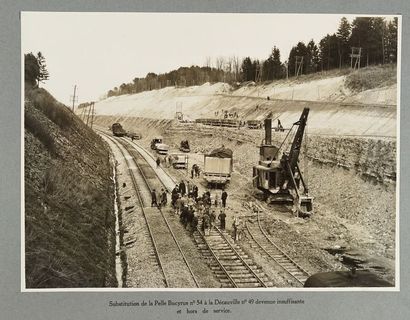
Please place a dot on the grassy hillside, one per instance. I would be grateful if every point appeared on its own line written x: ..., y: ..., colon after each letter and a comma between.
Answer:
x: 69, y: 219
x: 372, y: 77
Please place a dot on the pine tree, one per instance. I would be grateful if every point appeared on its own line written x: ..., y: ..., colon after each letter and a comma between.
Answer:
x: 343, y: 36
x: 277, y: 65
x: 43, y: 72
x: 299, y: 50
x: 328, y: 52
x: 31, y: 69
x: 248, y: 70
x: 312, y: 57
x: 391, y: 41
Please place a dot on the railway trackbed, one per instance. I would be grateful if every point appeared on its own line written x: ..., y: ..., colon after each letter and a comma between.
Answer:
x: 271, y: 251
x: 166, y: 260
x: 232, y: 267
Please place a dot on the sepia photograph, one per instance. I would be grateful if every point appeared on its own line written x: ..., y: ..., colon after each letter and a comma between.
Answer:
x: 210, y: 151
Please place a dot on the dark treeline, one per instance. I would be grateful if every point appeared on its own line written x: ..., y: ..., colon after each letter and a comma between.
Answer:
x: 35, y: 69
x: 376, y: 37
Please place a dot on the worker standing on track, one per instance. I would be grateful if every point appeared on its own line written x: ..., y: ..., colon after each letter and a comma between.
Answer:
x: 206, y: 224
x: 159, y: 198
x: 216, y: 200
x: 184, y: 215
x: 158, y: 162
x: 224, y: 196
x: 236, y: 227
x: 153, y: 198
x: 222, y: 217
x: 194, y: 223
x: 212, y: 220
x: 178, y: 205
x: 182, y: 187
x: 174, y: 196
x: 164, y: 199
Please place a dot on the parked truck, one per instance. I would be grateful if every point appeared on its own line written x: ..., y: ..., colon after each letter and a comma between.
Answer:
x: 218, y: 166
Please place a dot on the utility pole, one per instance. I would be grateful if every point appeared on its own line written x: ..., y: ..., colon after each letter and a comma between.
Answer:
x: 88, y: 116
x: 73, y: 97
x: 298, y: 65
x: 92, y: 114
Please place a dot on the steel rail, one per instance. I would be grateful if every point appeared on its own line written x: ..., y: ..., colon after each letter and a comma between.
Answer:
x: 280, y: 250
x: 268, y: 254
x: 217, y: 260
x: 140, y: 200
x: 242, y: 260
x: 163, y: 216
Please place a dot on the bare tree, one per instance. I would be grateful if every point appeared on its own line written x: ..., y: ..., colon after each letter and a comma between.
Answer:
x: 220, y: 62
x: 208, y: 62
x: 236, y: 66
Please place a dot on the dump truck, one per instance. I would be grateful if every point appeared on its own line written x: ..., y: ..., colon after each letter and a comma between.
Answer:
x: 218, y: 166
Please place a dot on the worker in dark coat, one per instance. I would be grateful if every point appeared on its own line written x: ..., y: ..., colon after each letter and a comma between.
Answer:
x: 222, y: 218
x: 195, y: 192
x: 174, y: 196
x: 158, y: 162
x: 212, y: 219
x: 182, y: 187
x: 184, y: 215
x: 164, y: 199
x: 190, y: 216
x: 224, y: 196
x: 194, y: 223
x: 154, y: 198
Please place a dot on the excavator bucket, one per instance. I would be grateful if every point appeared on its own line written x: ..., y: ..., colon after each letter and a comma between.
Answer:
x: 306, y: 206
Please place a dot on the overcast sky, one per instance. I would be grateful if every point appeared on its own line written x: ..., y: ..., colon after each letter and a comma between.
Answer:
x: 98, y: 51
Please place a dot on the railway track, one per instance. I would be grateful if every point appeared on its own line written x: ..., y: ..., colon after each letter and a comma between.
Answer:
x: 270, y: 250
x: 175, y: 269
x: 232, y: 267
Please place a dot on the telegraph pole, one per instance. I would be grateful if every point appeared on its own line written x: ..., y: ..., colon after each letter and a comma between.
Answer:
x: 74, y: 98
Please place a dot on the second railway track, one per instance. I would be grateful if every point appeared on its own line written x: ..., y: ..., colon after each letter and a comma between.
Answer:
x: 271, y: 251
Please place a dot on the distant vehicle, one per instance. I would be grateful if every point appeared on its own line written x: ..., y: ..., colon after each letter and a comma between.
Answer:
x: 118, y: 130
x: 254, y: 124
x: 162, y: 148
x: 179, y: 160
x: 155, y: 141
x: 339, y: 279
x: 134, y: 135
x: 184, y: 147
x: 218, y: 166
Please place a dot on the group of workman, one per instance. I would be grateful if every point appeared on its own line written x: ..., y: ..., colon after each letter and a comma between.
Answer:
x: 191, y: 208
